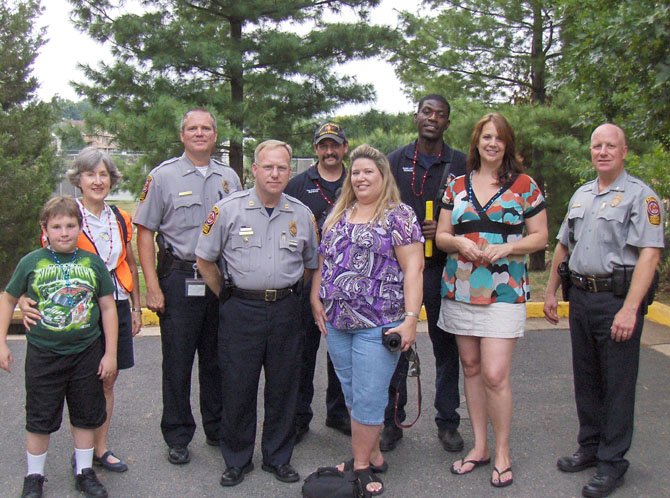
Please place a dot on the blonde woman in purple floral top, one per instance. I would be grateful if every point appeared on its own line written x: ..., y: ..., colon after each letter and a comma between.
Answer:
x: 370, y: 276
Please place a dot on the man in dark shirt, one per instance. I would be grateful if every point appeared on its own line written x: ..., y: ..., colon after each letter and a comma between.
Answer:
x: 421, y: 170
x: 318, y: 187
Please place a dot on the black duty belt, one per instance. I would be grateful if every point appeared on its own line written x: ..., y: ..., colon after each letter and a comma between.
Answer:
x: 180, y: 264
x: 591, y: 283
x: 268, y: 295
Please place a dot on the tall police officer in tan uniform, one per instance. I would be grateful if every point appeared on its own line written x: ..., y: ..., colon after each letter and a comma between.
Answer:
x: 266, y: 243
x: 174, y: 203
x: 613, y: 234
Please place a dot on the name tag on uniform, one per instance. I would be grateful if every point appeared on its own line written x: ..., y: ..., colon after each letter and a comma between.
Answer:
x: 408, y: 169
x: 188, y: 192
x: 194, y: 287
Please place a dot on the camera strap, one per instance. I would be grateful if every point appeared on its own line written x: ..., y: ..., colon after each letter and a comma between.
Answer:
x: 413, y: 370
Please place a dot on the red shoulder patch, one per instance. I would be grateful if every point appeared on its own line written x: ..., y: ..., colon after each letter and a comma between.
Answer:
x: 653, y: 211
x: 145, y: 189
x: 211, y: 219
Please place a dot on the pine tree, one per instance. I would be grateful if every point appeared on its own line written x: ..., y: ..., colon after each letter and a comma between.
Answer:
x: 260, y: 65
x: 28, y: 165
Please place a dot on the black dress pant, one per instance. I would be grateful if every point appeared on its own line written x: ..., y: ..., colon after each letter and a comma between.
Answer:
x: 445, y: 351
x: 188, y: 325
x: 255, y: 335
x: 605, y: 375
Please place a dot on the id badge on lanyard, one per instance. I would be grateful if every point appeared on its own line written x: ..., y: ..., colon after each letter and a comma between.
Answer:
x: 194, y: 287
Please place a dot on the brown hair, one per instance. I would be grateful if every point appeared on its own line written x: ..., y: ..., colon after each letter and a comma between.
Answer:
x: 512, y: 163
x: 60, y: 206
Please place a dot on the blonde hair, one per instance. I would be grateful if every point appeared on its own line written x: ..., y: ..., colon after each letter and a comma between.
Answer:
x: 390, y: 195
x: 272, y: 144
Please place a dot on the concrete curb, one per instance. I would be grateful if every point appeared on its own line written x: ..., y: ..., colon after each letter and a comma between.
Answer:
x: 659, y: 313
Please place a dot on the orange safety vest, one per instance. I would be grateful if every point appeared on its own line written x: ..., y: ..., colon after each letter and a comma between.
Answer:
x: 121, y: 273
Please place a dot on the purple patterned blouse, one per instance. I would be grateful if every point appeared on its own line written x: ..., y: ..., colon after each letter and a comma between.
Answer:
x: 361, y: 279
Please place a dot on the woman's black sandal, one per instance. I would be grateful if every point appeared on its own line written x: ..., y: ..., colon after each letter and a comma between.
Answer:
x: 377, y: 469
x: 366, y: 477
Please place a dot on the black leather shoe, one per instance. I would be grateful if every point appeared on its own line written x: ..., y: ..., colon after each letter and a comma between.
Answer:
x: 601, y: 485
x: 390, y: 437
x: 232, y: 476
x: 341, y: 425
x: 87, y: 482
x: 451, y: 439
x: 283, y: 473
x: 179, y: 455
x: 213, y: 442
x: 300, y: 431
x: 32, y: 486
x: 577, y: 462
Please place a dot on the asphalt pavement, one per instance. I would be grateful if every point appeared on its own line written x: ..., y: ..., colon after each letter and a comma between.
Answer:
x: 544, y: 428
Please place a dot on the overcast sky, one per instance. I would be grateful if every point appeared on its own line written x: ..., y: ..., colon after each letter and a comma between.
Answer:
x: 66, y: 47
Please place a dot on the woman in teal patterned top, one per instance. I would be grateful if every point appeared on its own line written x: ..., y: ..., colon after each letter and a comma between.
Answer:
x: 491, y: 218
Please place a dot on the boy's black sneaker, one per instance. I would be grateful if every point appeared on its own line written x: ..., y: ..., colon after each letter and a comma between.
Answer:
x: 87, y: 482
x: 32, y: 486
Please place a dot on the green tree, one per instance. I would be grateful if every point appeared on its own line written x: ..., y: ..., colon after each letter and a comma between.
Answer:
x: 69, y: 109
x: 260, y: 65
x: 70, y: 136
x: 382, y: 130
x: 28, y: 165
x: 617, y: 53
x: 491, y: 50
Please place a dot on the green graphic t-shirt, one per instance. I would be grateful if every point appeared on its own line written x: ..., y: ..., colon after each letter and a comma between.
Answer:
x: 67, y: 297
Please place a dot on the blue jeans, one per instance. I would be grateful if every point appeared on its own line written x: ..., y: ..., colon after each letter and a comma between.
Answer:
x: 364, y: 367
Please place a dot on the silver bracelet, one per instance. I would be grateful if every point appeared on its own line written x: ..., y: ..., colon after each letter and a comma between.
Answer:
x: 411, y: 313
x: 136, y: 310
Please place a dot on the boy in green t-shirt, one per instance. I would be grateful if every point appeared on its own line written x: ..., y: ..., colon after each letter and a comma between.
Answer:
x: 64, y: 353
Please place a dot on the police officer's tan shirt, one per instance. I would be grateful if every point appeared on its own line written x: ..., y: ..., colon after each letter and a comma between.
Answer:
x: 176, y: 198
x: 611, y: 226
x: 260, y: 251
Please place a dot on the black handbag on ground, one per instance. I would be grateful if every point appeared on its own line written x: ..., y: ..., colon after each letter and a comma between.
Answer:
x: 328, y: 482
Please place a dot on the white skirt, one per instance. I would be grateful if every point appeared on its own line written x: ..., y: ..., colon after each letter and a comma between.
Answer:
x: 498, y: 320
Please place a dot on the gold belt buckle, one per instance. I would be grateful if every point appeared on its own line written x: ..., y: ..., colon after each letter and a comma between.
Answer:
x: 592, y: 283
x: 271, y: 294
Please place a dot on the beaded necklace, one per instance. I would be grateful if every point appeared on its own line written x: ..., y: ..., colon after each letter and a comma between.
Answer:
x: 328, y: 200
x: 107, y: 236
x: 65, y: 269
x: 423, y: 181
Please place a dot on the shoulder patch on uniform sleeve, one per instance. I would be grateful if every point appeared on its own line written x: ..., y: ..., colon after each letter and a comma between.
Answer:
x: 145, y: 189
x: 211, y: 219
x: 653, y: 210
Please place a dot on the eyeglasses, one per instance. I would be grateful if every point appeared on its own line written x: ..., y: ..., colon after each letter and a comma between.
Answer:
x: 269, y: 168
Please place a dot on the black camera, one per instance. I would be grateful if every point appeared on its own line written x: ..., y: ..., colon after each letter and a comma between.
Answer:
x: 393, y: 341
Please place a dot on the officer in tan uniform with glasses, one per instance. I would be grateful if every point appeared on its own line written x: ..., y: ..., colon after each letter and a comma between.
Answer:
x: 266, y: 246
